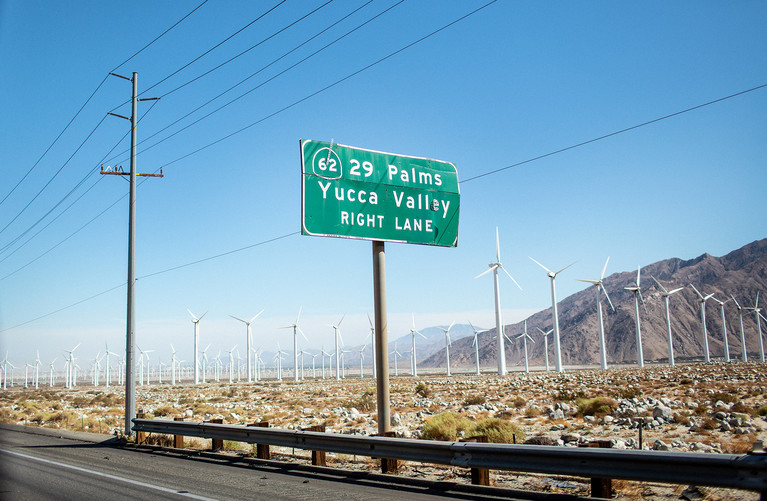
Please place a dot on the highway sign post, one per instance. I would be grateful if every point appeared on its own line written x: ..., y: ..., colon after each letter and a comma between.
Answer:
x: 358, y: 193
x: 351, y: 192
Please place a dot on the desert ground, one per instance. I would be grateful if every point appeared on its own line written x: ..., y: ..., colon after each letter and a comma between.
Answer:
x: 712, y: 408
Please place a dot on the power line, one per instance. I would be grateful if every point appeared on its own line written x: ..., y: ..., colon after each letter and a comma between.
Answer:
x: 88, y: 100
x: 337, y: 82
x: 578, y: 145
x: 269, y: 79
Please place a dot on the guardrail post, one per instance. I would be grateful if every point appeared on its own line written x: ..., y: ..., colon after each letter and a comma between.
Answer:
x: 479, y: 476
x: 262, y: 450
x: 318, y: 457
x: 178, y: 440
x: 140, y: 435
x: 600, y: 487
x: 216, y: 444
x: 388, y: 465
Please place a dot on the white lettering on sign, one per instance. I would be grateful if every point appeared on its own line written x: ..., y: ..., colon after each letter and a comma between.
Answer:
x: 421, y: 202
x: 413, y: 177
x: 352, y: 195
x: 359, y: 219
x: 413, y: 224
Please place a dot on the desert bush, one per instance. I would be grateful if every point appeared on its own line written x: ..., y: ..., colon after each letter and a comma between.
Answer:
x: 475, y: 399
x: 596, y: 406
x: 445, y: 426
x: 497, y: 430
x: 709, y: 424
x: 423, y: 390
x: 701, y: 410
x: 725, y: 397
x: 532, y: 412
x: 518, y: 402
x: 231, y: 445
x: 365, y: 403
x: 159, y: 439
x: 629, y: 392
x: 685, y: 380
x: 761, y: 410
x: 165, y: 410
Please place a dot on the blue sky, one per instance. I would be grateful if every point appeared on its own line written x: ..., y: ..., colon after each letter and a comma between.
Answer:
x: 512, y: 82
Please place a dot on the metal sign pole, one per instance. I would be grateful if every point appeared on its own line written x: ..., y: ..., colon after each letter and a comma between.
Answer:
x: 381, y: 342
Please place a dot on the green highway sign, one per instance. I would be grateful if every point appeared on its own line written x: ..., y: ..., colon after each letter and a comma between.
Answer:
x: 358, y: 193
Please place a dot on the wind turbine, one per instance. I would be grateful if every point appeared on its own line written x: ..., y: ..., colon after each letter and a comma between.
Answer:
x: 475, y: 344
x: 204, y: 363
x: 724, y: 330
x: 637, y: 296
x: 107, y: 354
x: 702, y: 300
x: 525, y: 336
x: 142, y: 354
x: 413, y: 332
x: 494, y: 267
x: 37, y: 364
x: 448, y: 342
x: 599, y: 284
x: 546, y: 345
x: 553, y: 276
x: 372, y: 336
x: 70, y: 371
x: 396, y: 359
x: 362, y: 358
x: 296, y: 330
x: 231, y: 362
x: 172, y: 364
x: 96, y: 368
x: 314, y: 372
x: 337, y: 335
x: 50, y: 382
x: 665, y: 293
x: 196, y: 322
x: 249, y: 339
x: 757, y: 313
x: 744, y: 355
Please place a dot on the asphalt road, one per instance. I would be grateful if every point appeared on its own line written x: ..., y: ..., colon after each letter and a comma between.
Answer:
x: 44, y: 464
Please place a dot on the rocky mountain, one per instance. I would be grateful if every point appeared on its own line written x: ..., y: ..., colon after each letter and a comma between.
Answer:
x: 740, y: 273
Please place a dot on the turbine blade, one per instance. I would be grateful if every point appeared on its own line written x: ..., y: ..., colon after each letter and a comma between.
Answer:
x: 369, y: 320
x: 638, y: 277
x: 487, y: 271
x: 512, y: 278
x: 566, y: 267
x: 302, y: 333
x: 539, y: 264
x: 696, y: 291
x: 659, y: 285
x: 193, y: 315
x: 238, y: 318
x: 604, y: 269
x: 677, y: 290
x: 201, y: 317
x: 608, y: 297
x: 256, y: 316
x: 497, y: 246
x: 299, y: 314
x: 342, y: 319
x: 592, y: 282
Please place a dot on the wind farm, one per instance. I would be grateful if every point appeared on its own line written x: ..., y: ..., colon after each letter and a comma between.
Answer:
x: 239, y: 200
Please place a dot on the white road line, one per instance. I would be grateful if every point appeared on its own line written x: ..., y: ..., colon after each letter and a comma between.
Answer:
x: 111, y: 477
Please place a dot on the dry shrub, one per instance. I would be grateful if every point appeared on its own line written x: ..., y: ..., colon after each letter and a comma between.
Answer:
x: 725, y: 397
x: 761, y: 410
x: 709, y: 424
x: 164, y: 410
x: 629, y: 392
x: 445, y: 426
x: 596, y: 406
x: 423, y: 390
x: 497, y: 430
x: 159, y: 439
x: 519, y: 402
x: 532, y: 412
x: 475, y: 399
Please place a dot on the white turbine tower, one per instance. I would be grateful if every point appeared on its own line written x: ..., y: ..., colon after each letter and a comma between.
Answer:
x: 635, y: 289
x: 494, y: 267
x: 665, y: 293
x: 231, y: 362
x: 724, y: 330
x: 196, y: 322
x: 337, y: 337
x: 396, y: 359
x: 296, y: 330
x: 69, y: 381
x: 546, y: 345
x: 362, y: 358
x: 204, y: 363
x: 525, y: 336
x: 744, y: 354
x: 50, y: 381
x: 172, y: 364
x: 475, y: 344
x: 372, y: 336
x: 757, y: 314
x: 413, y: 332
x: 448, y: 342
x: 702, y: 300
x: 600, y: 286
x: 249, y: 340
x: 553, y: 276
x: 107, y: 373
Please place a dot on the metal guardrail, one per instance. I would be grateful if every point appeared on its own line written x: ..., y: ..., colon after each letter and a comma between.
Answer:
x: 747, y: 472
